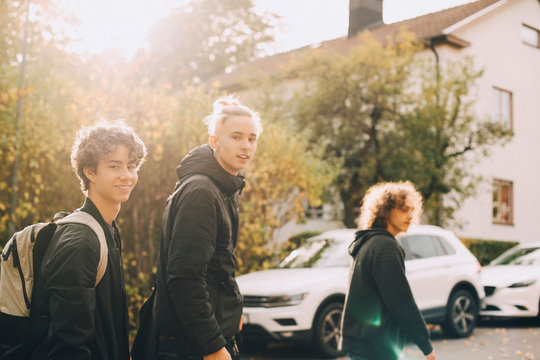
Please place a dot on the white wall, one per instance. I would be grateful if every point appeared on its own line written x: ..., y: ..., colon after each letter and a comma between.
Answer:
x: 514, y: 66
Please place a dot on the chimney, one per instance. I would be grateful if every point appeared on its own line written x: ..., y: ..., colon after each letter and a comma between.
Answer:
x: 363, y: 15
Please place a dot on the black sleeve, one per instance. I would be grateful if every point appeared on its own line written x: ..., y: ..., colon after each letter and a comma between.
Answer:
x: 192, y: 245
x: 392, y: 283
x: 70, y: 267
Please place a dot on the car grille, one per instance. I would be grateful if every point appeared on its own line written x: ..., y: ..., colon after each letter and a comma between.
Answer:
x: 255, y: 301
x: 489, y: 290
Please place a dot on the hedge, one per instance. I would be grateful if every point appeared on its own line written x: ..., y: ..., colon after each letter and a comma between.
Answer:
x: 487, y: 250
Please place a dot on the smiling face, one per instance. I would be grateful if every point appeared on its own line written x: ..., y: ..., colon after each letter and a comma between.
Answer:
x: 234, y: 143
x: 400, y: 219
x: 113, y: 179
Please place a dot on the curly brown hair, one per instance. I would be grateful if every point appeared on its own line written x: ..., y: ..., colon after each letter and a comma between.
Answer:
x: 94, y: 142
x: 381, y: 198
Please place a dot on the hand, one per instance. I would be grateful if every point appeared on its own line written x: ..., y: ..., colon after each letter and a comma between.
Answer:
x: 241, y: 324
x: 221, y: 354
x: 431, y: 356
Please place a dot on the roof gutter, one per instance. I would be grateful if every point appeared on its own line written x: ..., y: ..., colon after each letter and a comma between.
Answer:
x: 473, y: 17
x: 448, y: 39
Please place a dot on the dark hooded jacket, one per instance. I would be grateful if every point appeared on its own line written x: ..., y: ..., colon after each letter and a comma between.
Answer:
x: 86, y: 321
x: 380, y: 311
x: 199, y: 305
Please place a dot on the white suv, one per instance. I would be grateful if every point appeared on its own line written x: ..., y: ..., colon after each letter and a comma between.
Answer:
x: 302, y: 299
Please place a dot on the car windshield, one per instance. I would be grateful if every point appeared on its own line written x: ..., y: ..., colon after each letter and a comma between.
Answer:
x: 323, y: 253
x: 519, y: 256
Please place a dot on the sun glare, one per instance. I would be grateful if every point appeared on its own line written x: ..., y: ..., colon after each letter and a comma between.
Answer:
x: 121, y: 25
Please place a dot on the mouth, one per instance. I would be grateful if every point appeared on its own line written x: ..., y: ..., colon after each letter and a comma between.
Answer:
x: 124, y: 187
x: 244, y: 157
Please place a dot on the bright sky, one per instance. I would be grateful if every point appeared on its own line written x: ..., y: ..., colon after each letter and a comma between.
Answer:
x: 124, y: 24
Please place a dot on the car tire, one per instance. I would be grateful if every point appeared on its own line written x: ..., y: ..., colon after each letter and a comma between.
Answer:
x: 326, y: 330
x: 461, y: 314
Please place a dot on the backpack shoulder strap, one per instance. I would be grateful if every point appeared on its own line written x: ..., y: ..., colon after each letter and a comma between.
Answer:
x: 81, y: 217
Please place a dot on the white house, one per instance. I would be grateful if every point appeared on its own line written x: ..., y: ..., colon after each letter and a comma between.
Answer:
x: 503, y: 37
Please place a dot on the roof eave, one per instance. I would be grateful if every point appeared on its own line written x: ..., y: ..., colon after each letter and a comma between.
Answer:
x: 449, y: 40
x: 473, y: 17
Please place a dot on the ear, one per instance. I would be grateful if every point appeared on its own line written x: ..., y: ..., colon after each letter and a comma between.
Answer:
x: 212, y: 141
x: 89, y: 173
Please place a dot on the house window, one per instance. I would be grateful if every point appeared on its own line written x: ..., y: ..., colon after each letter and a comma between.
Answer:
x: 503, y: 208
x: 530, y: 35
x: 502, y: 108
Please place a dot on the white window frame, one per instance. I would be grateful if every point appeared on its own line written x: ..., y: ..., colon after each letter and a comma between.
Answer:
x: 530, y: 35
x: 503, y: 108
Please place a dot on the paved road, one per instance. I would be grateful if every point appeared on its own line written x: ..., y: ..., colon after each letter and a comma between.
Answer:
x: 492, y: 340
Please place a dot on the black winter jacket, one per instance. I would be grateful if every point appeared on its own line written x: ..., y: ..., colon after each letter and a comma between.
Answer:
x: 380, y: 311
x: 86, y: 322
x: 199, y: 305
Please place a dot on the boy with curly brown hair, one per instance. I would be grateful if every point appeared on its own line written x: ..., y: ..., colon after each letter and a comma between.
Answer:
x: 380, y: 312
x: 89, y: 320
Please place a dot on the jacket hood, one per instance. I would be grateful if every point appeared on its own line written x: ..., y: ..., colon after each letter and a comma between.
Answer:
x: 201, y: 160
x: 364, y: 236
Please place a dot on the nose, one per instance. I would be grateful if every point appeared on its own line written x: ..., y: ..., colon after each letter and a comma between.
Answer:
x: 127, y: 173
x: 245, y: 144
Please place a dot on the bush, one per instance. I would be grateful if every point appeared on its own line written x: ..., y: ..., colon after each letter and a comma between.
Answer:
x: 487, y: 250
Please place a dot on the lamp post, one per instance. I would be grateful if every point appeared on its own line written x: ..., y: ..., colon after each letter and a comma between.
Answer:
x: 19, y: 119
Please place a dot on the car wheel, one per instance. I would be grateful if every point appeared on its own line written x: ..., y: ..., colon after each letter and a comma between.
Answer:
x: 461, y: 314
x: 326, y: 330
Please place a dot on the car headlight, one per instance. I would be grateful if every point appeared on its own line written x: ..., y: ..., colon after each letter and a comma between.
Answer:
x: 284, y: 300
x: 523, y: 283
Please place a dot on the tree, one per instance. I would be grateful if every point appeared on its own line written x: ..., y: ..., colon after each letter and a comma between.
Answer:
x: 370, y: 109
x: 282, y: 179
x: 349, y: 105
x: 204, y: 38
x: 66, y: 91
x: 442, y: 138
x: 45, y: 115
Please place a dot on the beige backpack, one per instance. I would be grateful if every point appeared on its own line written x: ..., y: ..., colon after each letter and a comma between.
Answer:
x: 25, y: 250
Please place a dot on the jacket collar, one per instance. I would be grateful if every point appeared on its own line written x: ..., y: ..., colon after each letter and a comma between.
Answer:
x: 201, y: 160
x: 91, y: 208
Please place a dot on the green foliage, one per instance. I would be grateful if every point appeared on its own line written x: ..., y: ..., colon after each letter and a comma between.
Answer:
x: 387, y: 114
x: 445, y: 138
x: 64, y: 91
x: 487, y: 250
x: 138, y: 287
x: 282, y: 178
x: 202, y: 39
x: 349, y: 105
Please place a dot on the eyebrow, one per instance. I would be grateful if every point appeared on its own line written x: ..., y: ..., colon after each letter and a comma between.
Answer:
x: 241, y: 133
x: 113, y: 161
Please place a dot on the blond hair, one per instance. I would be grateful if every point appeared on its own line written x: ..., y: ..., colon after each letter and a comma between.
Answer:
x: 381, y: 198
x: 227, y: 106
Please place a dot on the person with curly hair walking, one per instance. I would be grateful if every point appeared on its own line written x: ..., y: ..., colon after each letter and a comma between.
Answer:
x: 380, y: 312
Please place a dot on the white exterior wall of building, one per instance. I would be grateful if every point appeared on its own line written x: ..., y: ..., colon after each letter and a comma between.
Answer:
x: 509, y: 64
x: 496, y: 47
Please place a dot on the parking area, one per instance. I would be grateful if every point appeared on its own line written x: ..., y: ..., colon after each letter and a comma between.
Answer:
x: 491, y: 340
